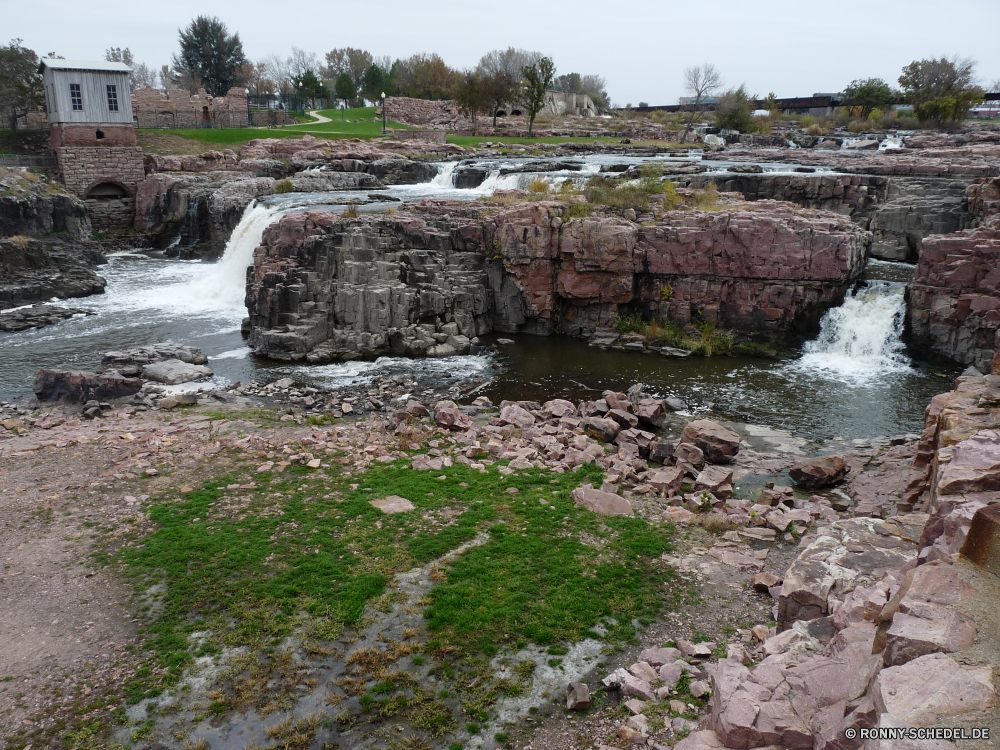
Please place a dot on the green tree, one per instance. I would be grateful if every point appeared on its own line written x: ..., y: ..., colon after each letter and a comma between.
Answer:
x: 735, y: 110
x: 940, y: 90
x: 869, y: 94
x: 375, y: 82
x: 211, y: 54
x: 21, y: 87
x: 344, y: 89
x: 473, y: 96
x: 537, y: 80
x: 308, y: 86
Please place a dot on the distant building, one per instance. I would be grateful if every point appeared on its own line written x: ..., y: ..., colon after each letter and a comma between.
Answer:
x: 560, y: 103
x: 90, y: 110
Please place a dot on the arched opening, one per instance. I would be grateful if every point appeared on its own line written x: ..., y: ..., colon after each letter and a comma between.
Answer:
x: 501, y: 113
x: 516, y: 112
x: 107, y: 191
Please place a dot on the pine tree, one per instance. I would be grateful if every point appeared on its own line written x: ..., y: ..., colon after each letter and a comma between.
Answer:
x: 210, y: 54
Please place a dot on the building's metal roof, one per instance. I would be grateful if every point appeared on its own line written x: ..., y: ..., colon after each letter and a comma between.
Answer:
x: 103, y: 65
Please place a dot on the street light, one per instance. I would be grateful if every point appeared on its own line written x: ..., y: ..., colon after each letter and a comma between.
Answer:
x: 383, y: 113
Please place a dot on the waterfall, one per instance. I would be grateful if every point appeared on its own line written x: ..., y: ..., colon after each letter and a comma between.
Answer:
x: 863, y: 337
x: 217, y: 288
x: 445, y: 176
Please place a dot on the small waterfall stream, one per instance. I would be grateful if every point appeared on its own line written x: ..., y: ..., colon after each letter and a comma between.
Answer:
x: 862, y: 338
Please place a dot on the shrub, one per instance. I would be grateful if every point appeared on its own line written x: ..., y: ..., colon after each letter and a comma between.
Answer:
x: 578, y: 211
x: 629, y: 322
x: 734, y: 110
x: 351, y: 212
x: 284, y: 186
x: 858, y: 126
x: 538, y: 185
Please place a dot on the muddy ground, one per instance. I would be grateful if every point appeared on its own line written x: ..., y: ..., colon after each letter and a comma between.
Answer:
x: 76, y: 491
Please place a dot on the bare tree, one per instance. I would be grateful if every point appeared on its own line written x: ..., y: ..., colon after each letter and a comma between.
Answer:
x: 700, y: 82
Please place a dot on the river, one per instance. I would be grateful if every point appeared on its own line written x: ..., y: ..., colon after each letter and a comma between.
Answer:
x: 854, y: 381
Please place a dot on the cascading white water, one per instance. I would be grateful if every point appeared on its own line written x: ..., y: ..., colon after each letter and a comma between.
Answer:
x: 219, y: 287
x: 862, y: 338
x: 446, y: 175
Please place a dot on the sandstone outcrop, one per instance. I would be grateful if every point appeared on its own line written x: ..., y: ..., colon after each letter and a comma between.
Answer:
x: 819, y: 472
x: 442, y: 273
x: 33, y: 206
x: 954, y: 309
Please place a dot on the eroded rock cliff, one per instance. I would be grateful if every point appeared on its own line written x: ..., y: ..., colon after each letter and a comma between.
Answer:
x: 429, y: 280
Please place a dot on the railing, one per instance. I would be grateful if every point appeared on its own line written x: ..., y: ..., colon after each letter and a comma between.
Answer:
x: 18, y: 160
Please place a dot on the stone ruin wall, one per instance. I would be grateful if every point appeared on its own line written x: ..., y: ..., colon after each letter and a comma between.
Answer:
x: 174, y: 108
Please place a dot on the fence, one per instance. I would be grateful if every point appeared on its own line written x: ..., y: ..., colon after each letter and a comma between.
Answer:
x: 265, y: 102
x: 18, y: 160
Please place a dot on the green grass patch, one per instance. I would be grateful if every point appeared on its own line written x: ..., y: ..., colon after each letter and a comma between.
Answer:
x: 354, y: 122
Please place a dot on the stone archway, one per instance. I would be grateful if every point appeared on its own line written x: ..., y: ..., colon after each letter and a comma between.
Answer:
x: 107, y: 190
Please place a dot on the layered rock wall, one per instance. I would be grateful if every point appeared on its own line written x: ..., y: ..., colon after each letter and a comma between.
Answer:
x: 325, y: 289
x: 35, y: 215
x: 954, y: 305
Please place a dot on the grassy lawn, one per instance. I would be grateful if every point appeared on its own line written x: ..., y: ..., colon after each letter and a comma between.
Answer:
x: 470, y: 140
x: 303, y: 553
x: 353, y: 123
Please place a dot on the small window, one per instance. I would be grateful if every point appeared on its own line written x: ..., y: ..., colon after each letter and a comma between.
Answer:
x: 112, y: 98
x: 76, y: 97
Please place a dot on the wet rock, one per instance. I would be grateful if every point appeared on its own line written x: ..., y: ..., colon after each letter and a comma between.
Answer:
x: 36, y: 316
x: 605, y: 503
x: 131, y: 361
x: 37, y: 270
x: 718, y: 444
x: 174, y: 371
x: 577, y: 696
x: 819, y: 472
x: 78, y: 387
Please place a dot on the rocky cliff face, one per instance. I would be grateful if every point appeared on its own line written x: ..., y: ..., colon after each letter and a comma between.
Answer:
x: 37, y: 215
x: 429, y: 280
x: 37, y: 270
x: 899, y: 211
x: 954, y: 309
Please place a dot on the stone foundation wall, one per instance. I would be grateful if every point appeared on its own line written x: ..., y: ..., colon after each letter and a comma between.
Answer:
x: 81, y: 168
x: 113, y: 213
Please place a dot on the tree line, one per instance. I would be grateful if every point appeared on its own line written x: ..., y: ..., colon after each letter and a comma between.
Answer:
x: 940, y: 90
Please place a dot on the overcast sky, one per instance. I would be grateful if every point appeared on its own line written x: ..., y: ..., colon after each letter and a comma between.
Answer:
x: 791, y: 47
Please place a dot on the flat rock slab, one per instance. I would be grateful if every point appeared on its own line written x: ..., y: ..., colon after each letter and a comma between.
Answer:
x: 602, y: 502
x: 931, y: 688
x: 819, y: 472
x: 174, y: 371
x: 393, y: 504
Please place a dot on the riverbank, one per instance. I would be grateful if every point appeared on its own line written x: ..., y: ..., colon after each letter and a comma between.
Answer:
x: 499, y: 479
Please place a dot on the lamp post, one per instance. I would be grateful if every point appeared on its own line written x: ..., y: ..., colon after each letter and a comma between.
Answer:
x: 383, y: 113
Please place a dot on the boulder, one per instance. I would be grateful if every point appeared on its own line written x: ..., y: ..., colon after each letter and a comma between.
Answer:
x: 819, y: 472
x: 932, y: 688
x: 79, y: 387
x: 689, y: 453
x: 516, y: 415
x: 657, y: 657
x: 718, y: 444
x: 712, y: 478
x: 174, y: 371
x: 448, y: 415
x: 559, y: 408
x: 393, y: 504
x: 936, y: 629
x: 601, y: 428
x: 131, y: 361
x: 661, y: 451
x: 577, y: 696
x: 651, y: 412
x: 598, y: 501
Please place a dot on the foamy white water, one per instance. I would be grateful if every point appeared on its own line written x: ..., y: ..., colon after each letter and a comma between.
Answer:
x: 861, y: 339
